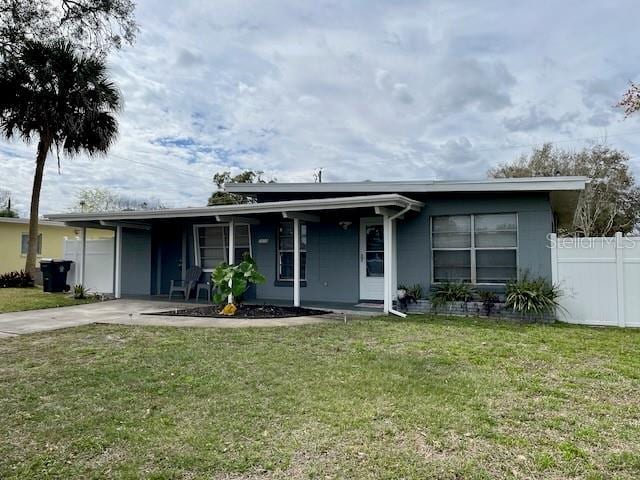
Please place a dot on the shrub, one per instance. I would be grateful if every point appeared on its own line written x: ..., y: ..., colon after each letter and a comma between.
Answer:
x: 8, y: 213
x: 235, y: 279
x: 19, y: 279
x: 80, y: 292
x: 533, y: 297
x: 451, y: 292
x: 489, y: 300
x: 416, y: 291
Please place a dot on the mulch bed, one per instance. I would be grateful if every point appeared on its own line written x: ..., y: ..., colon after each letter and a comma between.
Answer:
x: 244, y: 311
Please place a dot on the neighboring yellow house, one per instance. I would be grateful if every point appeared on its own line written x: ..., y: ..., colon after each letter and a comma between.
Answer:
x: 14, y: 236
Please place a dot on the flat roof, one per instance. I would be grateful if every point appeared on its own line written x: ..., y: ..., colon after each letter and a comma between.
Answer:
x: 528, y: 184
x: 313, y: 204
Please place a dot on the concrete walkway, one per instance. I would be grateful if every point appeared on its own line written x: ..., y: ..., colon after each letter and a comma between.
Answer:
x: 130, y: 312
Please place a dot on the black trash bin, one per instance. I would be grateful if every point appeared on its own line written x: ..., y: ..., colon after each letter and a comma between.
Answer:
x: 54, y: 275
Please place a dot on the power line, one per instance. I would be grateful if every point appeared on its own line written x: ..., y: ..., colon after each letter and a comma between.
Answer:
x: 158, y: 167
x: 164, y: 169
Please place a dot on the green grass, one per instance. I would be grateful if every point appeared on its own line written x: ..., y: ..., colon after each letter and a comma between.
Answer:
x: 19, y: 299
x: 374, y: 398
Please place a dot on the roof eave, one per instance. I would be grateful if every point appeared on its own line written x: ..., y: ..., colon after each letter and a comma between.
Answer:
x: 544, y: 184
x: 249, y: 209
x: 25, y: 221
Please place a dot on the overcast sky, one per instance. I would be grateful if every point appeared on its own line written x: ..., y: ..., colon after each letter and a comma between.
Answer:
x: 364, y: 89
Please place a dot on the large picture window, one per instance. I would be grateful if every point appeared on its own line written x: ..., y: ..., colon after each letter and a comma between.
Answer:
x: 475, y: 248
x: 285, y: 251
x: 212, y: 244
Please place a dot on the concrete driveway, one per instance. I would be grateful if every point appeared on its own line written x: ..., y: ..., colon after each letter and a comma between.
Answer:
x: 129, y: 312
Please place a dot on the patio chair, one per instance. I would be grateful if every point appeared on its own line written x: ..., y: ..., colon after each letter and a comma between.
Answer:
x: 186, y: 285
x: 206, y: 287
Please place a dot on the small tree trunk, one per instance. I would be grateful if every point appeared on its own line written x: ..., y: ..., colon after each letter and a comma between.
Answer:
x: 44, y: 145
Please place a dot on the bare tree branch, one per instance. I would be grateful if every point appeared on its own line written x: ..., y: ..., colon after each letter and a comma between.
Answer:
x: 95, y: 25
x: 103, y: 200
x: 611, y: 202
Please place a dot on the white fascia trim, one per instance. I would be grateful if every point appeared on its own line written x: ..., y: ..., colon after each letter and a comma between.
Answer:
x: 25, y: 221
x: 491, y: 185
x: 388, y: 200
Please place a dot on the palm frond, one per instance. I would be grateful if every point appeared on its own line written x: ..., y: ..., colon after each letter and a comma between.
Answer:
x: 51, y: 89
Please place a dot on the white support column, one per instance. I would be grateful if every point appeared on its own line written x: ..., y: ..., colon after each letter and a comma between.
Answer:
x: 232, y: 251
x: 296, y: 262
x: 394, y: 258
x: 117, y: 288
x: 388, y: 260
x: 620, y: 279
x: 83, y: 257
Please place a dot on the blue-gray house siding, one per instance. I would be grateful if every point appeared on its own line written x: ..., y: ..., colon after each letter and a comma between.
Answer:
x: 333, y: 255
x: 136, y: 262
x: 332, y: 263
x: 535, y: 222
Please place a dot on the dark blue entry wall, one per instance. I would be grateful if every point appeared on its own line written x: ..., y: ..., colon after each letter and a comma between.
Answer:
x: 166, y: 256
x: 332, y: 260
x: 332, y: 263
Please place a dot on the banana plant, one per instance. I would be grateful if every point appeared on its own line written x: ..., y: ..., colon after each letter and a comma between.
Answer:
x: 234, y: 280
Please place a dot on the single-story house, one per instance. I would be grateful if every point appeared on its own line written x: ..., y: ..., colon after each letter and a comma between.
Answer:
x: 14, y: 238
x: 348, y: 241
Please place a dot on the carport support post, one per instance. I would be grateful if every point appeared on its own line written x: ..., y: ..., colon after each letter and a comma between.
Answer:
x: 296, y: 262
x: 118, y: 267
x: 232, y: 252
x: 83, y: 256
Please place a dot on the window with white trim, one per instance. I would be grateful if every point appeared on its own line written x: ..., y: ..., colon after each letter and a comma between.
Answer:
x: 212, y: 244
x: 24, y: 244
x: 481, y: 248
x: 285, y: 251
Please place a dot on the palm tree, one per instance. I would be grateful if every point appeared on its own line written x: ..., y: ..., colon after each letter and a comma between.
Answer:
x: 64, y: 99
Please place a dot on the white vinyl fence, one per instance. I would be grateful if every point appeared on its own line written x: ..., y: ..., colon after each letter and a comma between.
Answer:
x: 600, y: 279
x: 98, y: 270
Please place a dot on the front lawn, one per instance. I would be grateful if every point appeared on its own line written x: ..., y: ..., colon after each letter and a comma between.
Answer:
x: 373, y: 398
x: 19, y: 299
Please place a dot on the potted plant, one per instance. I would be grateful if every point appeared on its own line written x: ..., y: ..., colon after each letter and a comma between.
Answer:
x: 401, y: 292
x: 411, y: 295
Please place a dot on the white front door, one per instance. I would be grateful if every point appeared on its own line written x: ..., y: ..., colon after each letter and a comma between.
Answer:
x: 371, y: 259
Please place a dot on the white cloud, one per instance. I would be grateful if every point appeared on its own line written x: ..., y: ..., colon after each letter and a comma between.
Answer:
x: 365, y: 89
x: 536, y: 119
x: 382, y: 79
